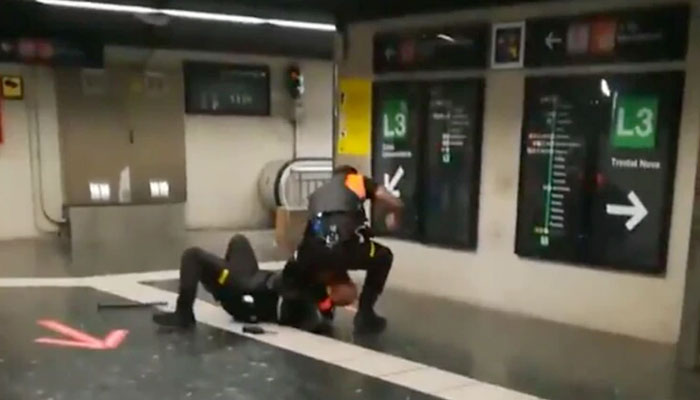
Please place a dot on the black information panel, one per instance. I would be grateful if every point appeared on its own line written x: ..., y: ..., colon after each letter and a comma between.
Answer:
x: 637, y: 35
x: 597, y: 165
x: 53, y: 52
x: 226, y: 89
x: 452, y: 158
x: 434, y: 49
x: 427, y: 150
x: 397, y: 125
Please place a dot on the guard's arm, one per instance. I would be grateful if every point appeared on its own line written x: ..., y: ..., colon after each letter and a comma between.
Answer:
x: 383, y: 198
x: 385, y: 201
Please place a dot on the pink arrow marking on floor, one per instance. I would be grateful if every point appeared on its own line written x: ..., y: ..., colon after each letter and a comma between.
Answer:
x: 80, y: 339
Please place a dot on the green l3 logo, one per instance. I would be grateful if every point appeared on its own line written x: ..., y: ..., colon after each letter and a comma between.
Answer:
x: 395, y: 119
x: 635, y: 122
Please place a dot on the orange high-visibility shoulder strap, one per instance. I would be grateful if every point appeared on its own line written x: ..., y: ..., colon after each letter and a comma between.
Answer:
x: 356, y: 183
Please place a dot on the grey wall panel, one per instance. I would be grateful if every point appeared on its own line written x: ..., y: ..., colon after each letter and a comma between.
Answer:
x: 121, y: 118
x: 155, y: 118
x: 92, y: 131
x: 126, y: 224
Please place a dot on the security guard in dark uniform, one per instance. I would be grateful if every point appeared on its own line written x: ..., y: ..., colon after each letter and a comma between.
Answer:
x: 245, y: 292
x: 338, y: 239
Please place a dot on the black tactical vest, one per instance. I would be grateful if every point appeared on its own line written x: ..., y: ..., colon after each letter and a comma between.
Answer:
x: 334, y: 197
x: 335, y: 211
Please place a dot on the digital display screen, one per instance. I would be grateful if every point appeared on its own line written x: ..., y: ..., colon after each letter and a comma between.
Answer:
x: 225, y: 89
x: 427, y: 151
x: 396, y: 136
x: 597, y: 164
x: 452, y: 159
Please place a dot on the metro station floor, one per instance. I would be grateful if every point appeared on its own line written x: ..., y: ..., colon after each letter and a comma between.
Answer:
x: 432, y: 349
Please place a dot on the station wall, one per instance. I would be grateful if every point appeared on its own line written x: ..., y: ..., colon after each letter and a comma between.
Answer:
x: 494, y: 276
x: 23, y: 122
x: 224, y: 155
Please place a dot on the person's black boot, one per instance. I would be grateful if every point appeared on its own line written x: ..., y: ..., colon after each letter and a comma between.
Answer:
x: 328, y: 315
x: 175, y: 319
x: 302, y: 314
x: 367, y: 321
x: 314, y: 322
x: 183, y: 317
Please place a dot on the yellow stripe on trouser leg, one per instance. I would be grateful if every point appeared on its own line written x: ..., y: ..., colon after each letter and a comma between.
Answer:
x: 223, y: 276
x: 372, y: 249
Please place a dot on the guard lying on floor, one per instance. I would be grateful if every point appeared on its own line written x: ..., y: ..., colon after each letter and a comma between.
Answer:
x: 249, y: 294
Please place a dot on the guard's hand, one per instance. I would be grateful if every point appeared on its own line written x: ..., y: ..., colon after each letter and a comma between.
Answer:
x: 391, y: 221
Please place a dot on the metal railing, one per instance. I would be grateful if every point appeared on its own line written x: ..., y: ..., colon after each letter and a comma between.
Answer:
x: 289, y: 183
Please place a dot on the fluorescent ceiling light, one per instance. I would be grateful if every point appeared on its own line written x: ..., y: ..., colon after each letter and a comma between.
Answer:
x: 99, y: 6
x: 206, y: 16
x: 241, y: 19
x: 317, y: 26
x: 446, y: 37
x: 604, y: 87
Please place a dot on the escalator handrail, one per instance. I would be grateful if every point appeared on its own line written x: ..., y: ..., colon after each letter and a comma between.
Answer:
x: 285, y: 167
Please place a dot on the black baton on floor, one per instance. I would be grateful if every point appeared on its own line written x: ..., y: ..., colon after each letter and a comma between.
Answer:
x: 117, y: 306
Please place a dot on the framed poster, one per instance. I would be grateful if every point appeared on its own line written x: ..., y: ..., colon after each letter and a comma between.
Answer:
x: 508, y: 45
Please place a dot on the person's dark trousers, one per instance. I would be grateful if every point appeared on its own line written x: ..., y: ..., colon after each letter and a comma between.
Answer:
x: 197, y: 265
x: 245, y: 261
x: 377, y: 260
x: 330, y: 265
x: 227, y: 279
x: 220, y: 276
x: 373, y: 258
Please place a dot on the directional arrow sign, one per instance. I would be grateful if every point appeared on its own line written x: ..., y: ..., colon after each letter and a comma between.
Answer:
x: 390, y: 182
x: 76, y: 338
x: 636, y: 212
x: 551, y: 40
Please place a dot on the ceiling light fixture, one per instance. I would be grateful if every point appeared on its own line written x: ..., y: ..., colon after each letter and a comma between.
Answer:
x: 99, y: 6
x: 605, y: 88
x: 446, y: 37
x: 205, y: 16
x: 200, y: 15
x: 317, y: 26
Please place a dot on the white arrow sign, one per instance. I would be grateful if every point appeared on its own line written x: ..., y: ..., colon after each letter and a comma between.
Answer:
x: 390, y: 182
x: 551, y: 40
x: 636, y: 211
